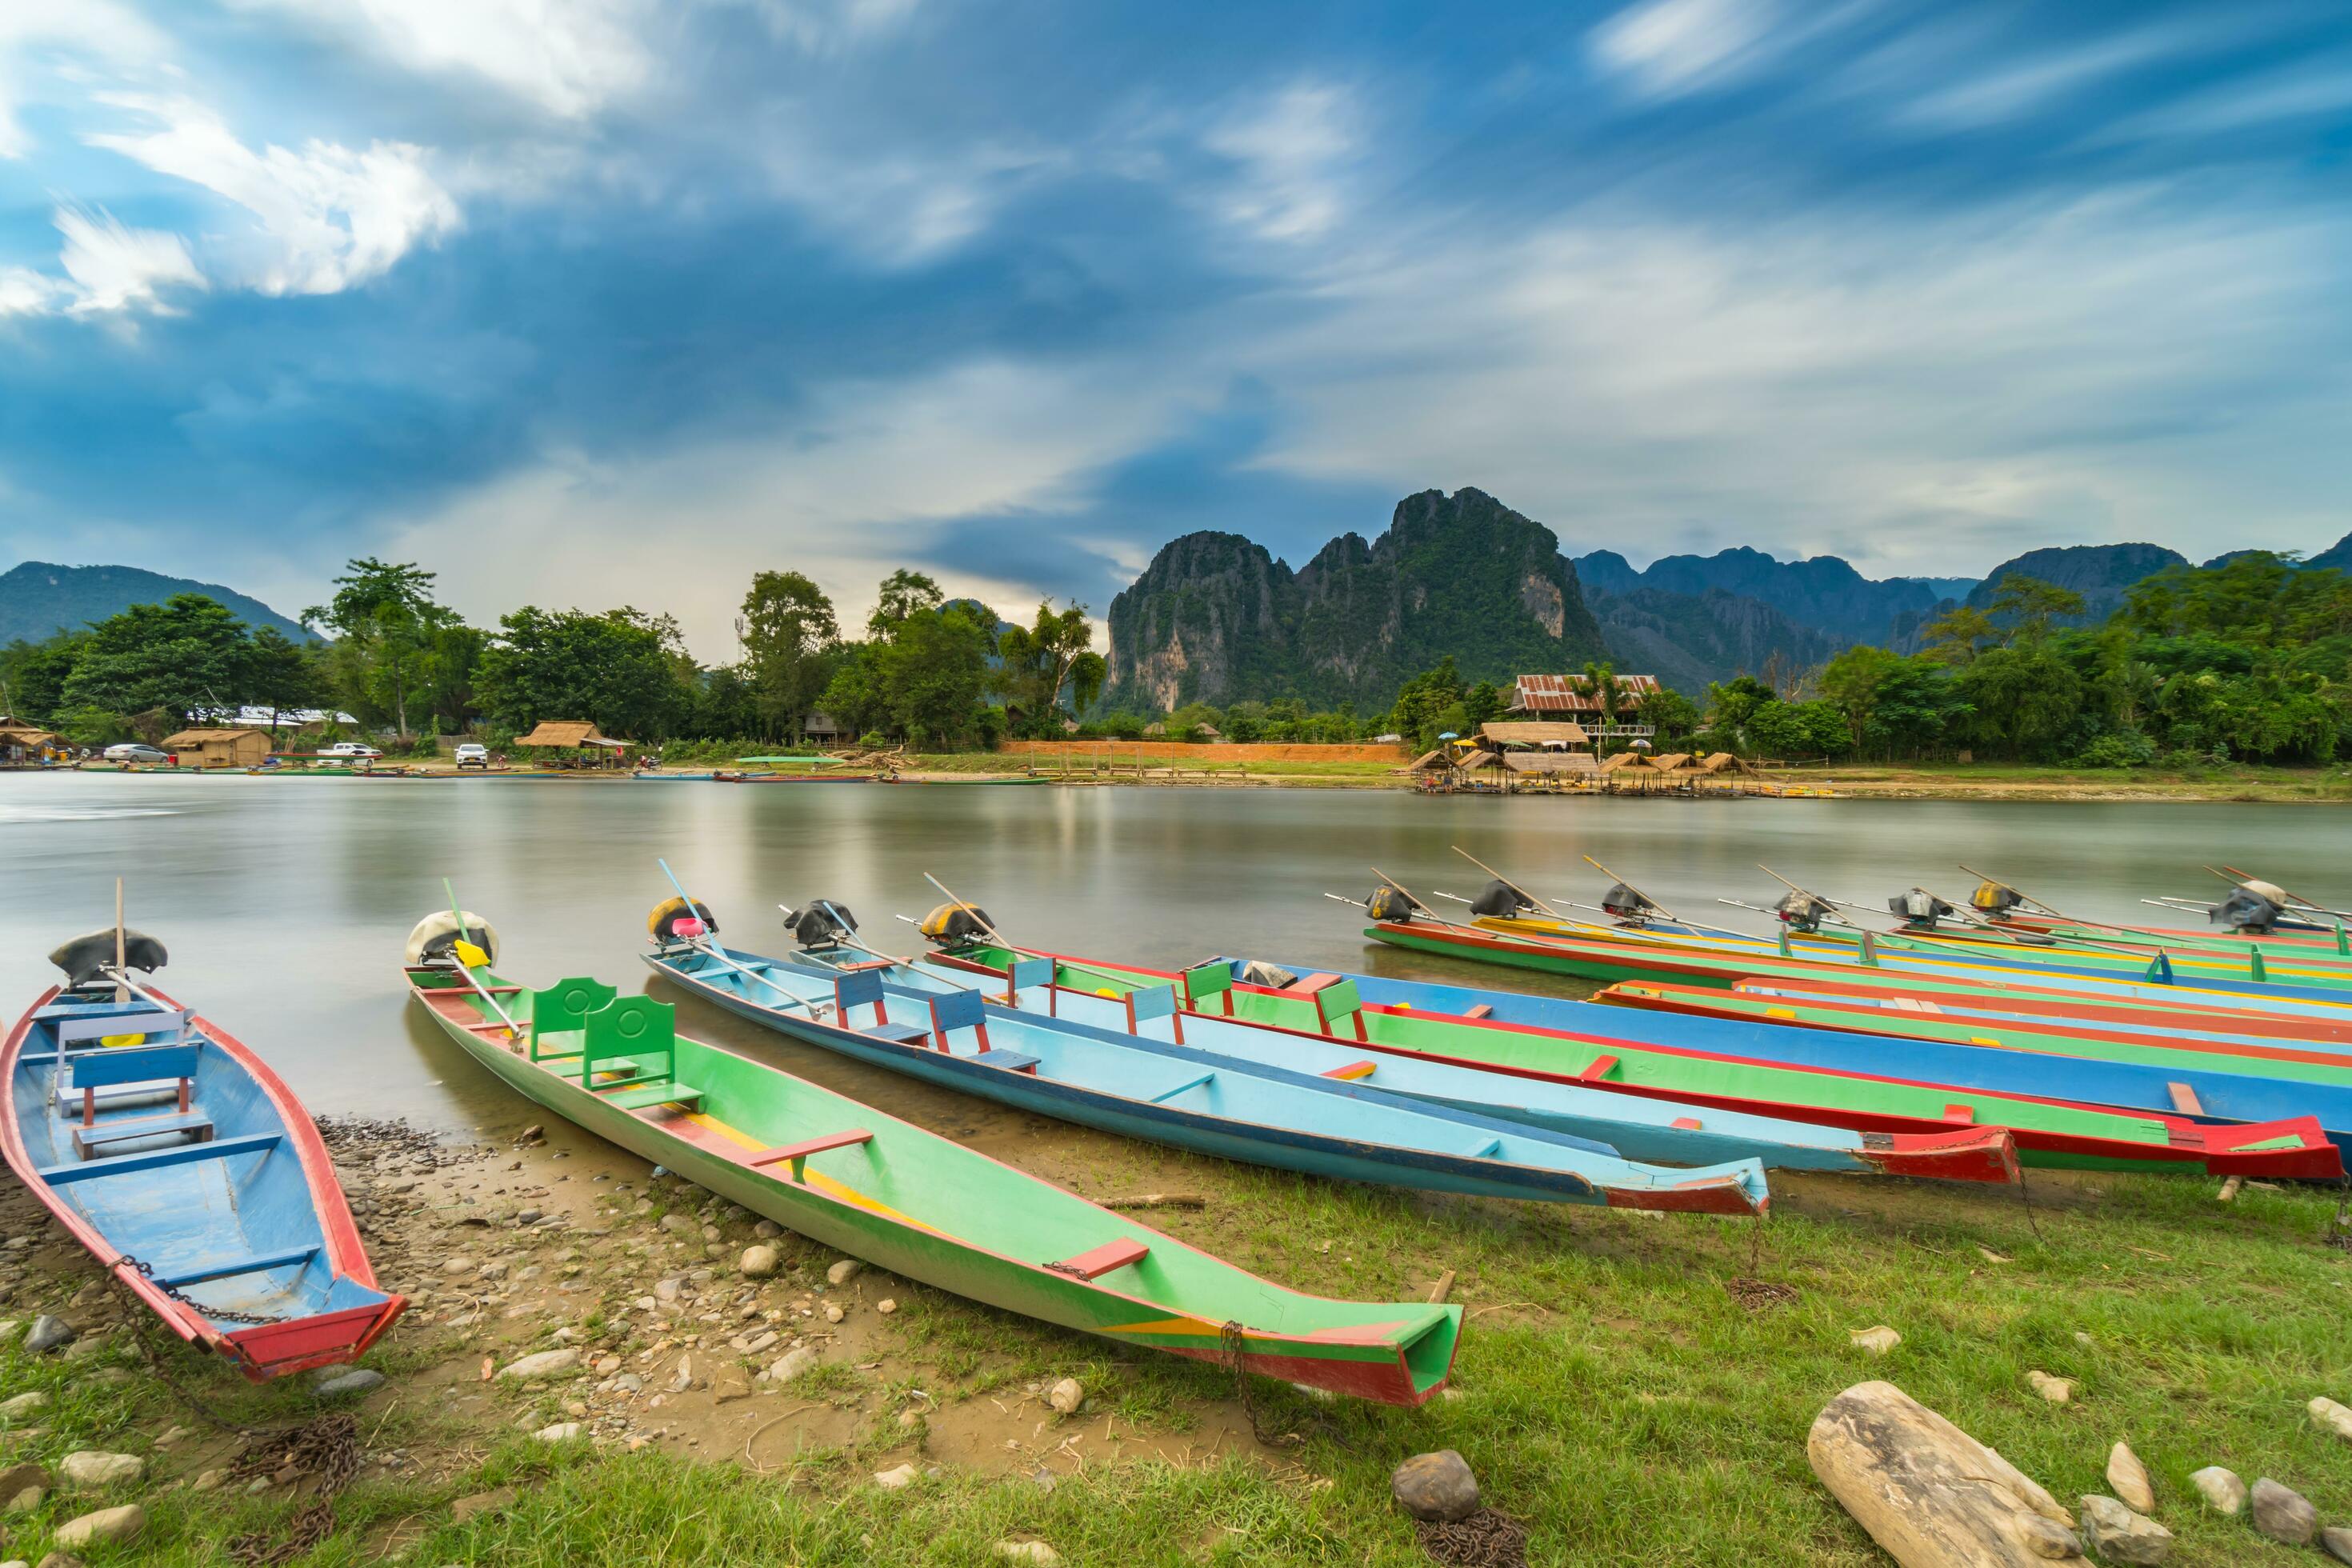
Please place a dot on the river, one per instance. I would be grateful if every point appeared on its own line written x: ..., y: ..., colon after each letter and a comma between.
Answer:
x: 285, y: 901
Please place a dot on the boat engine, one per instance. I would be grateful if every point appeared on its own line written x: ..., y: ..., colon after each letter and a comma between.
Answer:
x: 84, y: 958
x: 2250, y: 905
x: 1500, y: 900
x: 1995, y: 899
x: 1391, y: 905
x: 1920, y: 908
x: 676, y: 919
x: 434, y: 939
x: 821, y: 923
x: 952, y: 925
x: 1629, y: 906
x: 1803, y: 912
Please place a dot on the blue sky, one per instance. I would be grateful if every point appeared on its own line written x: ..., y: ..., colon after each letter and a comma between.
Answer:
x: 594, y: 301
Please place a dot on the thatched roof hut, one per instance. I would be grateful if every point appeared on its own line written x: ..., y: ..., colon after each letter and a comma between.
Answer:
x: 569, y: 732
x: 1724, y: 763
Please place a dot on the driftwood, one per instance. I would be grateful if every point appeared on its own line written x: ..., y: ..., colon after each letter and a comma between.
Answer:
x: 1158, y: 1201
x: 1443, y: 1288
x: 1928, y: 1493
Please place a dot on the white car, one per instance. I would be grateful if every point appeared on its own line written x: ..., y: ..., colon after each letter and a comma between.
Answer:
x: 474, y: 754
x: 136, y: 751
x: 350, y: 749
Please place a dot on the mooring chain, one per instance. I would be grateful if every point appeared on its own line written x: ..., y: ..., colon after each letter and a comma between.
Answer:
x: 1233, y: 1346
x: 147, y: 1271
x: 2026, y: 1198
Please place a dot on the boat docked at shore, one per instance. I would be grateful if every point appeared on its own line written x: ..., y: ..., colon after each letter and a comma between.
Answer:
x: 880, y: 1189
x: 1746, y: 1072
x: 188, y: 1169
x: 1321, y: 1121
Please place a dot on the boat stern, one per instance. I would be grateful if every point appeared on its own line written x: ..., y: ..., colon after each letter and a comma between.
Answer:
x: 1971, y: 1155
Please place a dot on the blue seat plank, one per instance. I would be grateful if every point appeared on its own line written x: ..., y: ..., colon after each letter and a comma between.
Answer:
x: 156, y: 1159
x: 259, y: 1263
x: 898, y: 1034
x: 1010, y: 1061
x: 87, y: 1137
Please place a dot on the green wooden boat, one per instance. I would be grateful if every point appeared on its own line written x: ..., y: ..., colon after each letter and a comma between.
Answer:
x: 845, y: 1174
x: 2048, y: 1132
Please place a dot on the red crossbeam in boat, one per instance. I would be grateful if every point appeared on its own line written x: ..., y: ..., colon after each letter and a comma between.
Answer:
x: 798, y: 1153
x: 1102, y: 1260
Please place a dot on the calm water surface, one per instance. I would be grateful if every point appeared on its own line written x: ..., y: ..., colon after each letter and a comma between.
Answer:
x: 285, y: 901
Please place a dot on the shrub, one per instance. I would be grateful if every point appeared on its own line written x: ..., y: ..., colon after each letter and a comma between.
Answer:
x: 2117, y: 749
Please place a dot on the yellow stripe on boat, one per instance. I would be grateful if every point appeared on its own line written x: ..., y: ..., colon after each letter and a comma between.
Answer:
x: 816, y: 1179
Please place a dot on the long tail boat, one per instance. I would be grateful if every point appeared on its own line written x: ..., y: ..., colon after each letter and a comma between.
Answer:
x: 845, y: 1175
x: 1168, y: 1094
x: 2051, y: 1130
x: 186, y: 1167
x: 1635, y: 1127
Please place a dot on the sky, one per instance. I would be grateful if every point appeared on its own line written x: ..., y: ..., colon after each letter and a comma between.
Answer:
x: 593, y: 302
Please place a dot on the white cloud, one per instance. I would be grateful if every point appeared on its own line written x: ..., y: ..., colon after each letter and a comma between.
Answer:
x: 329, y: 218
x: 1295, y: 151
x: 2014, y: 92
x: 2104, y: 369
x: 117, y: 268
x: 568, y: 57
x: 1666, y: 49
x: 846, y: 493
x: 827, y: 26
x: 2304, y: 91
x: 61, y: 30
x: 899, y: 208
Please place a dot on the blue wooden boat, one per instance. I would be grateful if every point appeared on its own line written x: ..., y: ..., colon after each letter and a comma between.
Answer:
x: 2221, y: 1099
x: 188, y: 1169
x: 1192, y: 1099
x: 1655, y: 1131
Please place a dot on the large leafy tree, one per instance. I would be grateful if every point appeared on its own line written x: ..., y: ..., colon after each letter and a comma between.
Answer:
x: 621, y: 670
x: 789, y: 636
x: 1043, y: 659
x: 185, y: 655
x: 930, y: 671
x: 385, y: 622
x: 283, y: 675
x: 34, y: 673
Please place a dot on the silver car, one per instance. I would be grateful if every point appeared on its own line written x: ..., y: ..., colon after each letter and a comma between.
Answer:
x: 137, y: 751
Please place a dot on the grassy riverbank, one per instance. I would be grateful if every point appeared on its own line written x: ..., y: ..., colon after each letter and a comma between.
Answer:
x: 1609, y: 1393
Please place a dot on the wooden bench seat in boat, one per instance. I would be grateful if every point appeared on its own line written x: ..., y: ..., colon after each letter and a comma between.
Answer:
x: 619, y: 1045
x: 255, y: 1263
x: 798, y: 1153
x: 1111, y: 1255
x: 157, y: 1159
x: 126, y: 1066
x: 89, y: 1140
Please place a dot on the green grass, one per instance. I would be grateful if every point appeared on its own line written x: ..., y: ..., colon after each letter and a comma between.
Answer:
x: 1612, y: 1394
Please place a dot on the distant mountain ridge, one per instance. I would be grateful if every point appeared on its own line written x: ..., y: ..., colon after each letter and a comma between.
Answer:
x: 1215, y: 617
x: 38, y: 599
x: 1824, y: 594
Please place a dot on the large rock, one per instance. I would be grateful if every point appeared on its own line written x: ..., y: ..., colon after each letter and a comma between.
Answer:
x: 843, y: 1272
x: 897, y: 1479
x: 2331, y: 1417
x: 758, y: 1262
x: 1436, y: 1486
x: 1927, y: 1492
x: 17, y: 1478
x: 2130, y: 1478
x: 792, y: 1363
x: 2056, y: 1390
x: 561, y: 1432
x: 563, y: 1362
x: 2282, y: 1514
x: 107, y: 1524
x: 1876, y: 1340
x: 93, y: 1469
x: 1067, y: 1396
x: 48, y: 1333
x: 2337, y: 1541
x: 2221, y: 1489
x: 2119, y: 1535
x: 357, y: 1380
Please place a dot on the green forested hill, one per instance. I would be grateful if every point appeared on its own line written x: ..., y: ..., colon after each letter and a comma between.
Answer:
x: 38, y: 599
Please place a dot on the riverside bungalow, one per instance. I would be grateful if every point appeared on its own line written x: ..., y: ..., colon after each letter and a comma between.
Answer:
x: 22, y: 742
x: 573, y: 735
x: 219, y: 748
x: 1540, y: 697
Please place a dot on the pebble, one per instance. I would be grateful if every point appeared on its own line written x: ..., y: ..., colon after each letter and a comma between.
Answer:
x: 885, y: 1306
x: 607, y: 1365
x: 1876, y: 1340
x: 2284, y: 1514
x: 895, y: 1480
x: 359, y: 1380
x: 456, y: 1265
x: 24, y: 1500
x: 546, y: 1363
x: 211, y: 1480
x: 107, y: 1524
x: 2119, y: 1535
x: 1437, y: 1486
x: 685, y: 1378
x: 93, y: 1469
x: 758, y: 1262
x: 843, y: 1272
x: 1068, y: 1397
x: 676, y: 1224
x: 493, y: 1269
x: 561, y: 1432
x: 1036, y: 1552
x: 23, y: 1404
x: 2337, y: 1541
x: 767, y: 1230
x: 2056, y: 1390
x: 2130, y: 1480
x: 2222, y: 1490
x: 832, y: 1312
x: 48, y: 1333
x: 2334, y: 1417
x: 794, y: 1364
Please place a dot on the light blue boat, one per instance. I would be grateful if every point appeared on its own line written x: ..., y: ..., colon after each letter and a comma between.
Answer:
x: 1658, y: 1131
x: 1192, y: 1099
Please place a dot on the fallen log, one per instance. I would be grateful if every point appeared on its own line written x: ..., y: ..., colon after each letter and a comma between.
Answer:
x: 1930, y: 1494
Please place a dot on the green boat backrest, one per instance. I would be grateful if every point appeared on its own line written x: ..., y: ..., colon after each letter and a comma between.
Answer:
x: 1209, y: 980
x: 564, y: 1006
x: 634, y: 1027
x: 1337, y: 1002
